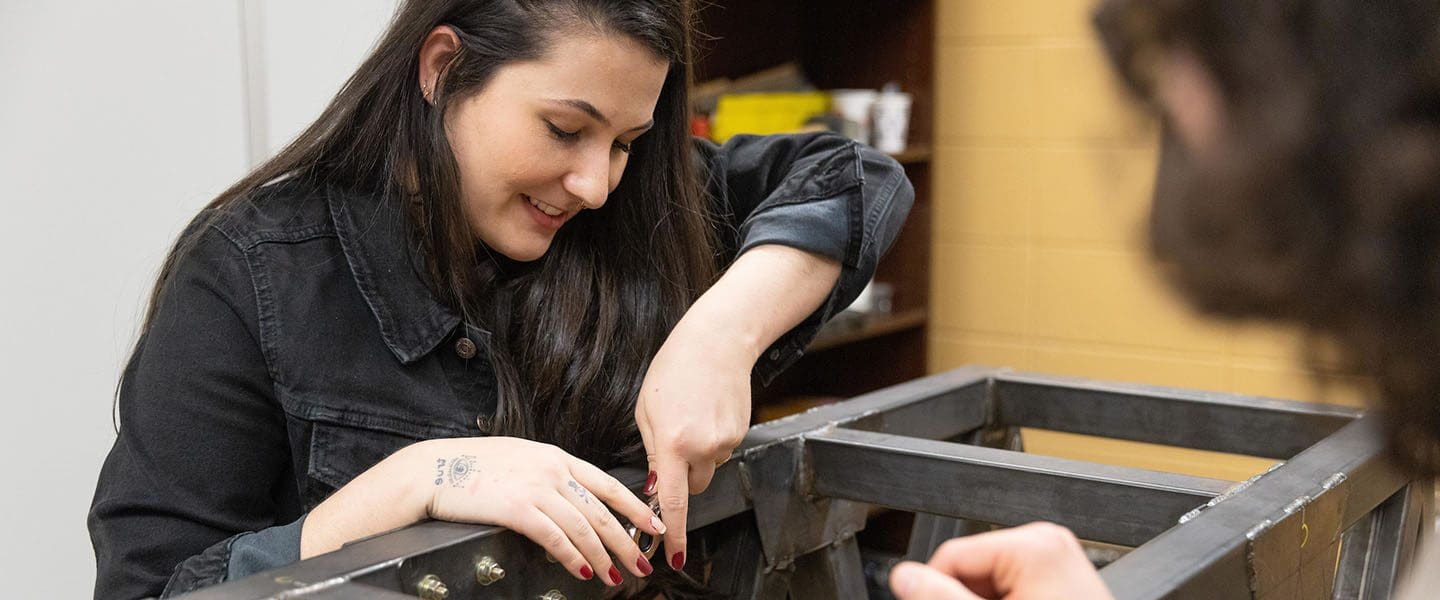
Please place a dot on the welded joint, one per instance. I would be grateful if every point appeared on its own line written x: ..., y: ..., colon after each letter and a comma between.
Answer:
x: 1296, y: 505
x: 1332, y: 481
x: 805, y: 471
x: 992, y: 403
x: 1258, y: 530
x: 746, y: 491
x: 1226, y: 495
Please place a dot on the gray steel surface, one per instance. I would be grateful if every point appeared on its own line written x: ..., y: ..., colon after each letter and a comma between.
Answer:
x: 781, y: 517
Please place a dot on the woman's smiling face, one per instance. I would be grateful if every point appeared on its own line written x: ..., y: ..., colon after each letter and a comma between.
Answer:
x: 545, y: 139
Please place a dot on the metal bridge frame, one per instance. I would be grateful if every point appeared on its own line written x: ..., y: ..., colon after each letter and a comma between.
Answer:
x: 1331, y: 521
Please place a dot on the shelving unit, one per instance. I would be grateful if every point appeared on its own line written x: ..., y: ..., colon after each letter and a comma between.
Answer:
x: 845, y: 330
x: 847, y: 44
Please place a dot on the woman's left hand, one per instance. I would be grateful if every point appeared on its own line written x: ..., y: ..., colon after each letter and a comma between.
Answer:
x: 694, y: 406
x: 693, y: 410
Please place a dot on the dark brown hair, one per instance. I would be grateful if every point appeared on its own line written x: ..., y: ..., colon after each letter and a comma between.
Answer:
x: 574, y: 331
x: 1321, y: 207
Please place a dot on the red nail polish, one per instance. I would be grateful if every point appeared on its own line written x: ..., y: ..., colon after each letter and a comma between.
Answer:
x: 615, y: 575
x: 643, y: 565
x: 650, y: 484
x: 677, y: 561
x: 586, y: 573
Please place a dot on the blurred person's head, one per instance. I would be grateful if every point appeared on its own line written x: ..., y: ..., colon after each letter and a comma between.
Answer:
x: 1300, y: 179
x: 500, y: 130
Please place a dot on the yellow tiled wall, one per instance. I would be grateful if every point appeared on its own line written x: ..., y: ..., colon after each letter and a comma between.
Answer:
x: 1042, y: 181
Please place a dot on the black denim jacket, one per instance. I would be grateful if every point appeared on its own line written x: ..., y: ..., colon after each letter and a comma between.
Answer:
x: 295, y: 346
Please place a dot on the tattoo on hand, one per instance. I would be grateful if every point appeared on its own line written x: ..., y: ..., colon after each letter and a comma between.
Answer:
x: 580, y: 491
x: 458, y: 471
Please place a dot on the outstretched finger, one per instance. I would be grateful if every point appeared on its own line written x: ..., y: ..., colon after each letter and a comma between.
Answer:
x: 674, y: 494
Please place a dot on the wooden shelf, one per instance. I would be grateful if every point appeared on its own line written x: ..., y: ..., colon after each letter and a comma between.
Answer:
x: 914, y: 155
x: 847, y: 329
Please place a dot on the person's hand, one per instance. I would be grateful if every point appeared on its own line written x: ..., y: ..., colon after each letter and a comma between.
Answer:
x: 693, y: 410
x: 541, y: 492
x: 1036, y: 561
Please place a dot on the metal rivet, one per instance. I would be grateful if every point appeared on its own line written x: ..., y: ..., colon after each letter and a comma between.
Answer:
x: 775, y: 354
x: 431, y: 588
x: 465, y: 347
x: 487, y: 571
x: 553, y: 595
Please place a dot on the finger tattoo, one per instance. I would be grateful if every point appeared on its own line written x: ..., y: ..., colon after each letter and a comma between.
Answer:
x: 580, y: 490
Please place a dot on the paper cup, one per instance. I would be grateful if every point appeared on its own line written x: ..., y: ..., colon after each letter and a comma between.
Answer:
x: 855, y: 106
x: 892, y: 122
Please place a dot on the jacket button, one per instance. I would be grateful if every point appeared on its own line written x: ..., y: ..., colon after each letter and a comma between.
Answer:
x: 482, y: 422
x: 465, y: 348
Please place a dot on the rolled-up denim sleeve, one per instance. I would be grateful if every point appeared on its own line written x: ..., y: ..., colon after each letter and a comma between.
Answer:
x: 237, y: 557
x: 821, y: 193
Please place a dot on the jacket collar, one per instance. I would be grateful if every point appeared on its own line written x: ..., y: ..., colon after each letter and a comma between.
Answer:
x: 372, y: 232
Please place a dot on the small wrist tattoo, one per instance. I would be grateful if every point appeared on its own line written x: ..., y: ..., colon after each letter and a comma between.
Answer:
x: 456, y: 470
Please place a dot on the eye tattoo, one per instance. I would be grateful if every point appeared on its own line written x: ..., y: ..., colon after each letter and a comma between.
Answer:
x: 460, y: 469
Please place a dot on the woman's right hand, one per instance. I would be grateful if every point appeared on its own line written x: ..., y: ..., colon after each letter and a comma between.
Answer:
x: 543, y: 493
x: 537, y: 490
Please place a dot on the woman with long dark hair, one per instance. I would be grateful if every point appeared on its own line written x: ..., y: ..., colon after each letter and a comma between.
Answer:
x: 1301, y: 185
x: 444, y: 301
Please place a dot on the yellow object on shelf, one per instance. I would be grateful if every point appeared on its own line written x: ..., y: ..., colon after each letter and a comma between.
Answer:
x: 767, y: 113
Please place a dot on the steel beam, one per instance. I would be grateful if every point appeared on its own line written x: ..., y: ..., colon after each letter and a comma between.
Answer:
x: 1111, y: 504
x: 1186, y: 418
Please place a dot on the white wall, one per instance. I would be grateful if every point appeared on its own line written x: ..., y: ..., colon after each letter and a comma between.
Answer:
x: 119, y: 120
x: 328, y: 51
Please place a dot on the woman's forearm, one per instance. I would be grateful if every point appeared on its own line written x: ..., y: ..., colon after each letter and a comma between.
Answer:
x: 765, y: 292
x: 390, y: 495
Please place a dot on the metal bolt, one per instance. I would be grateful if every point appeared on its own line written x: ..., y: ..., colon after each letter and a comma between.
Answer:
x: 487, y: 571
x: 553, y: 595
x: 431, y: 588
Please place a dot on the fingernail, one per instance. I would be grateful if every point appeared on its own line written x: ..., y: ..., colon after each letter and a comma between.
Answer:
x: 677, y: 560
x: 643, y: 565
x: 650, y: 484
x: 586, y: 573
x: 615, y: 578
x: 658, y: 525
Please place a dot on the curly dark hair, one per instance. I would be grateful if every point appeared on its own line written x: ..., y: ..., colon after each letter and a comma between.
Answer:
x: 1322, y: 206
